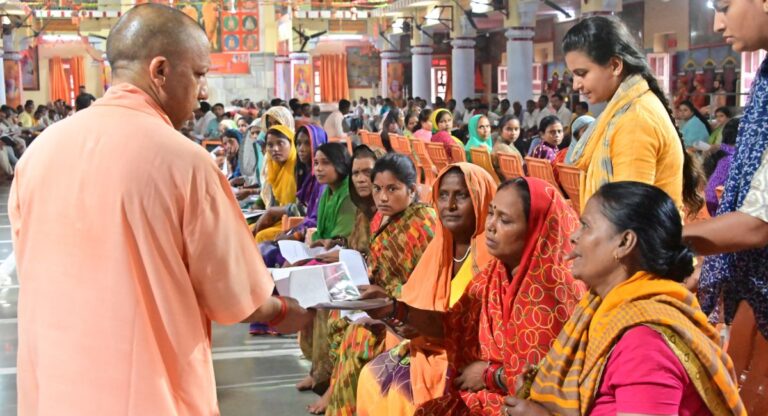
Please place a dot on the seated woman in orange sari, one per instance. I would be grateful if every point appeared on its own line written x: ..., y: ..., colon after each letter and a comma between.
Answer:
x: 413, y: 372
x: 511, y: 311
x: 401, y: 230
x: 638, y: 343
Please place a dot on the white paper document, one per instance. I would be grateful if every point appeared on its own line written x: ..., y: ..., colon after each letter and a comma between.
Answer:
x: 295, y: 251
x: 248, y: 214
x: 327, y: 286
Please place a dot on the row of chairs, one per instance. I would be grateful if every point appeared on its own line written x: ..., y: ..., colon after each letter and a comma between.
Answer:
x: 430, y: 158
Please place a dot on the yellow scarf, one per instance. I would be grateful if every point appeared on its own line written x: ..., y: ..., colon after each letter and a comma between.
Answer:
x: 569, y: 377
x: 596, y: 141
x: 282, y: 176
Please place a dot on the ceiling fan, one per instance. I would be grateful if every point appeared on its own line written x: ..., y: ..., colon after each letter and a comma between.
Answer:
x: 552, y: 5
x: 305, y: 39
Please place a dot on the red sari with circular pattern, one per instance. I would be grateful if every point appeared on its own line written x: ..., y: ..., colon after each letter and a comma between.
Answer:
x: 512, y: 322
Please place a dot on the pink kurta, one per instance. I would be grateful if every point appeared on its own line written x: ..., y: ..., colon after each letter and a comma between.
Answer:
x: 129, y: 242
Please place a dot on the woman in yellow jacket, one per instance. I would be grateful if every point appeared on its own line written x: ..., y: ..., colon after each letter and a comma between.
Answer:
x: 635, y: 138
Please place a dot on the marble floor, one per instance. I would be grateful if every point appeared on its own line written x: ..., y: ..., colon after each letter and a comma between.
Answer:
x: 254, y: 375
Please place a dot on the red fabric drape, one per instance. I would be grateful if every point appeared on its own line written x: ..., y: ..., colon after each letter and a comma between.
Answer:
x: 334, y: 84
x: 58, y: 80
x: 78, y: 71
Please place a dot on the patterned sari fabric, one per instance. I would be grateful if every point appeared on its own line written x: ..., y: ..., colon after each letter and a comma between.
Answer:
x: 512, y: 320
x: 396, y: 247
x: 570, y: 375
x: 743, y: 275
x: 414, y: 371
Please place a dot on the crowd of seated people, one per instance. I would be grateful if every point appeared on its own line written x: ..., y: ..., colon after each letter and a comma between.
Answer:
x: 506, y: 297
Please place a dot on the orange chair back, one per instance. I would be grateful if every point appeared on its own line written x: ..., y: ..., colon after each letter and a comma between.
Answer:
x: 437, y: 153
x: 375, y: 139
x: 482, y: 158
x: 400, y: 144
x: 457, y: 153
x: 510, y: 165
x: 542, y: 169
x: 428, y: 167
x: 289, y: 222
x: 570, y: 178
x: 364, y: 137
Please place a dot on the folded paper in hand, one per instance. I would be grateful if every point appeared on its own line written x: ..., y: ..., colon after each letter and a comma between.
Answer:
x: 327, y: 286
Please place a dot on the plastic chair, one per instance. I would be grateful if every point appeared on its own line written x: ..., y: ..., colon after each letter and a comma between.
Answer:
x: 209, y: 145
x: 289, y: 222
x: 510, y: 165
x: 438, y: 155
x: 364, y: 137
x: 375, y: 140
x: 457, y: 154
x: 482, y: 158
x: 428, y: 167
x: 570, y: 178
x: 400, y: 144
x: 542, y: 169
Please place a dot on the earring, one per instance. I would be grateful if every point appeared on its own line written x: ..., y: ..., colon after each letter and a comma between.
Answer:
x: 615, y: 256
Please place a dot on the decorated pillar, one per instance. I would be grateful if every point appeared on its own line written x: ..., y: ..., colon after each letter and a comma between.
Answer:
x: 463, y: 69
x: 521, y: 27
x: 388, y: 57
x: 421, y: 64
x: 11, y: 70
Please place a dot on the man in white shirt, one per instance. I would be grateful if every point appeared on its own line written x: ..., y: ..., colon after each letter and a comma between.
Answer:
x: 562, y: 112
x: 542, y: 110
x: 529, y: 120
x: 334, y: 124
x: 203, y: 116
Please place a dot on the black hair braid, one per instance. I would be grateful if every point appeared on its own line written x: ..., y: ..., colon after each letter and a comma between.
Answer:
x: 692, y: 175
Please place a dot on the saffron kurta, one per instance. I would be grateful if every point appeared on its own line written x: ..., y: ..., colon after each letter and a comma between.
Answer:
x: 116, y: 318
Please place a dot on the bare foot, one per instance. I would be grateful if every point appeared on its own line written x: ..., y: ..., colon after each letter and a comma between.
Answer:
x: 318, y: 407
x: 305, y: 384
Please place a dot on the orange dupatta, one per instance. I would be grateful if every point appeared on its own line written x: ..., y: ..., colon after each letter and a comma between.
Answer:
x: 429, y: 286
x: 513, y: 320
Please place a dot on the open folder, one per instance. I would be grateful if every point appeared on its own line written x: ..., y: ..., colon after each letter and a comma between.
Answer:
x: 326, y: 286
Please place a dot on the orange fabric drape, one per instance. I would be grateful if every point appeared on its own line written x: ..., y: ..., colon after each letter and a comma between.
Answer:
x: 58, y: 80
x: 334, y: 84
x: 78, y: 71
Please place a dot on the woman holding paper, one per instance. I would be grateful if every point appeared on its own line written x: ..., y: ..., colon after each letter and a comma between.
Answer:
x: 308, y: 139
x: 294, y: 186
x: 512, y: 311
x: 328, y: 325
x: 401, y: 231
x: 334, y: 223
x: 414, y: 372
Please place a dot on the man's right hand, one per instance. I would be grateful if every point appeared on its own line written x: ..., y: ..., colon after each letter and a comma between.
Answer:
x: 296, y: 318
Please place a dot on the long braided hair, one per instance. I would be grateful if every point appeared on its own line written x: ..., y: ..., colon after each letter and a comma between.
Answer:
x: 602, y: 38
